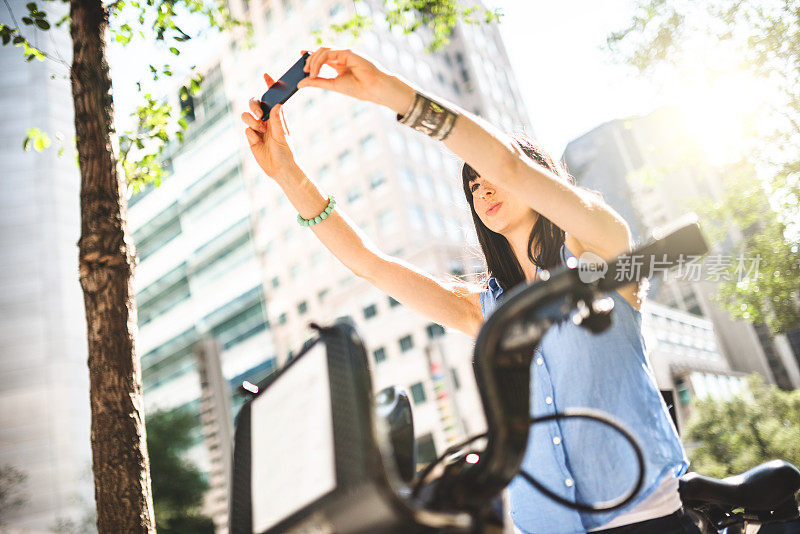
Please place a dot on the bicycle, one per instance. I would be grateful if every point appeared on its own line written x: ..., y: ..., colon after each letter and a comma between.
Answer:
x: 354, y: 467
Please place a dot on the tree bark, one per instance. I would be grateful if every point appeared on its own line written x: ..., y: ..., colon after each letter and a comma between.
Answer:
x: 107, y: 259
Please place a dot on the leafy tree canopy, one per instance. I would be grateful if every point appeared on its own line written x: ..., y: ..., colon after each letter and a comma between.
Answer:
x: 727, y: 437
x: 178, y: 486
x: 753, y: 41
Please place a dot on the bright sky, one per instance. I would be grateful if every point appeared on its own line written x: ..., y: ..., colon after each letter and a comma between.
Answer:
x: 567, y: 80
x: 569, y: 83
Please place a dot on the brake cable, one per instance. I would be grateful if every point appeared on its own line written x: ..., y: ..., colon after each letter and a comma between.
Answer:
x: 574, y: 413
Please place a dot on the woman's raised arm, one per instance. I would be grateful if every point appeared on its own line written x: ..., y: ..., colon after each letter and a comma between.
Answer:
x: 492, y: 153
x: 452, y: 305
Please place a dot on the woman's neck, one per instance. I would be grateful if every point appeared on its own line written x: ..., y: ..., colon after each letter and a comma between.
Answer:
x: 518, y: 239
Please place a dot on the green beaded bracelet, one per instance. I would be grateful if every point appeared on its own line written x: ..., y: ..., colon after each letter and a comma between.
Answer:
x: 319, y: 218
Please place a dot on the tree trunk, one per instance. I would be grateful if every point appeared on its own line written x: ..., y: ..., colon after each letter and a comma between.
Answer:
x: 119, y: 454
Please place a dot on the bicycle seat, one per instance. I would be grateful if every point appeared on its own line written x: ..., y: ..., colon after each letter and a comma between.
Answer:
x: 761, y: 488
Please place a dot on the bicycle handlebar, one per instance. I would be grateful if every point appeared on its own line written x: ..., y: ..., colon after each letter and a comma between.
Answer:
x: 504, y: 350
x: 364, y: 493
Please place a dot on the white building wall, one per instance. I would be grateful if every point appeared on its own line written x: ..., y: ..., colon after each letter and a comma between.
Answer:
x: 44, y: 383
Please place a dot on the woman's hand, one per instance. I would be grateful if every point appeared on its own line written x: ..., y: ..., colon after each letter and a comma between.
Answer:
x: 357, y: 77
x: 268, y: 139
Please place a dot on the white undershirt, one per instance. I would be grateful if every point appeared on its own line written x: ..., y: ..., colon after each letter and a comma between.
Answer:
x: 663, y: 501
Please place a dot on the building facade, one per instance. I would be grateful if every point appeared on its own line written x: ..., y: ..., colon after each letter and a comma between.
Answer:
x: 221, y: 253
x: 686, y: 359
x: 44, y: 379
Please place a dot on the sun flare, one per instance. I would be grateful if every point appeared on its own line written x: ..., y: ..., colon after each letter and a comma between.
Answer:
x: 722, y: 113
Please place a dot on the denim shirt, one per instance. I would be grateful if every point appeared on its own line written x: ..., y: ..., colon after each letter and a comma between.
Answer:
x: 579, y: 459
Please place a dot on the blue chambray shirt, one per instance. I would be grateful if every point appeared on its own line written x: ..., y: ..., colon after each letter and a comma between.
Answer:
x: 578, y: 458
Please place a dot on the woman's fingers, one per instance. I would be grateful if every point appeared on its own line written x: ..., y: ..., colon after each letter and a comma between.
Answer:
x: 269, y: 80
x: 317, y: 60
x: 283, y: 122
x: 322, y: 83
x: 254, y: 123
x: 255, y: 107
x: 307, y: 66
x: 253, y: 137
x: 275, y: 126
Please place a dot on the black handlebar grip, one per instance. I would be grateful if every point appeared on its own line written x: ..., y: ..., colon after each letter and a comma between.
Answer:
x: 673, y: 244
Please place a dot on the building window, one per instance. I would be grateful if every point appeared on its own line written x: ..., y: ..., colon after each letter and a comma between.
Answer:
x: 684, y: 396
x: 368, y: 145
x: 347, y: 163
x: 358, y: 109
x: 321, y: 295
x: 418, y: 393
x: 406, y: 343
x: 436, y: 223
x: 426, y: 449
x: 316, y: 258
x: 379, y: 354
x: 353, y: 194
x: 370, y: 311
x: 268, y: 18
x: 323, y: 173
x: 376, y: 180
x: 276, y: 282
x: 386, y: 220
x: 417, y: 217
x: 456, y: 381
x: 393, y: 302
x: 407, y: 180
x: 302, y: 307
x: 434, y: 330
x: 282, y: 318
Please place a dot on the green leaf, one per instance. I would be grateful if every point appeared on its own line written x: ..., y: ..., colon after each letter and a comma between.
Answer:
x: 31, y: 6
x: 37, y: 138
x: 42, y: 24
x: 27, y: 20
x: 18, y: 39
x: 174, y: 50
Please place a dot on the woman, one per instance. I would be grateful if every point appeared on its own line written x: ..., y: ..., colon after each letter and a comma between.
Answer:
x: 527, y: 216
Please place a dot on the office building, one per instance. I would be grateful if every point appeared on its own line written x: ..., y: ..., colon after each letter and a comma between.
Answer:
x: 686, y: 359
x: 221, y: 253
x: 44, y: 379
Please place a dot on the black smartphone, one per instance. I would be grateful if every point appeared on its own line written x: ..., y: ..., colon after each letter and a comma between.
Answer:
x: 284, y: 88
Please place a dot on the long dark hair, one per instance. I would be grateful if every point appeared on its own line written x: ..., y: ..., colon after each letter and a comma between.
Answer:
x: 544, y: 242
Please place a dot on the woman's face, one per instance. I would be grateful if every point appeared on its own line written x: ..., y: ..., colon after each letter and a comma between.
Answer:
x: 499, y: 210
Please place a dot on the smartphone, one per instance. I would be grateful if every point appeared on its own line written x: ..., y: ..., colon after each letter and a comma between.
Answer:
x: 284, y: 88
